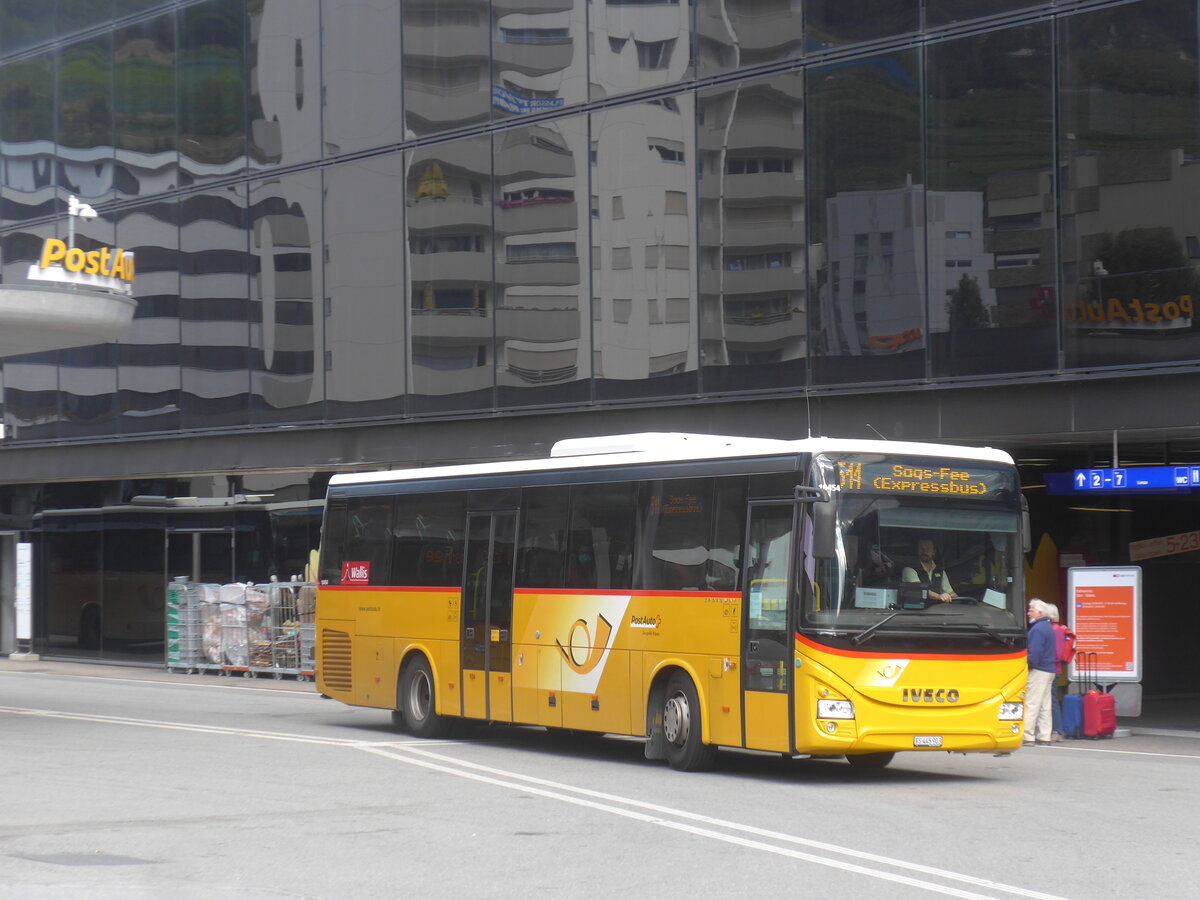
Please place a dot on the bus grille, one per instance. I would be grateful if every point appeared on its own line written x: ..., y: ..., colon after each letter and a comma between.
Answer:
x: 335, y: 660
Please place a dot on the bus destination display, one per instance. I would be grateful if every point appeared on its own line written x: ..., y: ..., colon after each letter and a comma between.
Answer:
x: 898, y: 477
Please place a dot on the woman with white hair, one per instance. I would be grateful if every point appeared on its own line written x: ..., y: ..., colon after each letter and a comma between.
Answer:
x: 1043, y: 661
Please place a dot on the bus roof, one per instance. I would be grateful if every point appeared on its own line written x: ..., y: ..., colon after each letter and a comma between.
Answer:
x: 656, y: 447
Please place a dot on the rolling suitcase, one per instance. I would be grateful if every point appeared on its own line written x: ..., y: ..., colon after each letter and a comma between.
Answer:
x: 1072, y: 716
x: 1099, y: 707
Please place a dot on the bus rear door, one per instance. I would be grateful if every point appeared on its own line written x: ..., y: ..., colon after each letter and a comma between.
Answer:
x: 768, y: 583
x: 487, y: 609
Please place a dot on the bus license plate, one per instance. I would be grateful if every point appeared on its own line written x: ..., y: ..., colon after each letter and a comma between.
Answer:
x: 927, y: 740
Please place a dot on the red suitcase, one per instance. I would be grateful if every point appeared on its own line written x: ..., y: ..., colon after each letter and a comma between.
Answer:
x: 1099, y: 707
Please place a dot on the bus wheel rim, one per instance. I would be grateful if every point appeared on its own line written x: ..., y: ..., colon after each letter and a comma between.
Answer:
x: 677, y: 719
x: 418, y: 696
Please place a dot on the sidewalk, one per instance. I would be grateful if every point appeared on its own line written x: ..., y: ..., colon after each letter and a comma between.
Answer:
x: 149, y: 673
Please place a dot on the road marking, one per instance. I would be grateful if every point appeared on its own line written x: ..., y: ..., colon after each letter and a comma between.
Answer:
x: 414, y: 753
x: 1130, y: 752
x: 592, y: 799
x: 221, y: 687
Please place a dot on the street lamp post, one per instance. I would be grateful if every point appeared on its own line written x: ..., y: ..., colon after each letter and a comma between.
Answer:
x: 76, y: 208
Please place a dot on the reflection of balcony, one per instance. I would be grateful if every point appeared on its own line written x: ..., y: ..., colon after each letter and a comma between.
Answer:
x: 759, y: 234
x: 451, y: 266
x: 758, y: 281
x: 444, y: 214
x: 533, y: 218
x: 1039, y: 239
x: 764, y: 186
x: 457, y: 325
x: 447, y: 106
x: 530, y: 59
x: 777, y: 329
x: 538, y: 324
x: 1019, y: 276
x: 538, y: 271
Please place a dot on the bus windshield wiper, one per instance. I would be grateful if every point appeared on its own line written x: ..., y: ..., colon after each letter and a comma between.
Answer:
x: 1006, y: 639
x: 865, y: 635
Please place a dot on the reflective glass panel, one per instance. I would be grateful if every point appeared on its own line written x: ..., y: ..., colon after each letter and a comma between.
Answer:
x: 214, y: 318
x: 638, y: 44
x: 866, y: 220
x: 644, y: 317
x: 148, y: 355
x: 735, y: 33
x: 87, y: 375
x: 284, y: 59
x: 538, y: 63
x: 943, y: 12
x: 833, y: 23
x: 753, y: 298
x: 85, y: 118
x: 286, y: 299
x: 1129, y: 140
x: 144, y: 120
x: 27, y: 133
x: 989, y: 207
x: 360, y: 75
x: 75, y: 15
x: 447, y: 66
x: 31, y: 401
x: 451, y: 295
x: 25, y: 23
x: 542, y: 239
x: 212, y: 90
x: 366, y: 349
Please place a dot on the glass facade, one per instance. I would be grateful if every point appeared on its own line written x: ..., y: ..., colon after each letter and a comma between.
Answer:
x: 351, y: 211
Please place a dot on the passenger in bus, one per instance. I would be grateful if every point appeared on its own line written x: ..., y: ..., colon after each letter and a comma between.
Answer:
x: 929, y: 573
x: 581, y: 572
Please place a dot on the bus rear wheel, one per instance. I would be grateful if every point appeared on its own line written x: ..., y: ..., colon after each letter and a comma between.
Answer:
x: 419, y: 701
x: 870, y: 761
x: 686, y: 752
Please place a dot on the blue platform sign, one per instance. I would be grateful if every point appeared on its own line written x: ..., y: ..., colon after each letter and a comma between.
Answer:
x: 1143, y: 478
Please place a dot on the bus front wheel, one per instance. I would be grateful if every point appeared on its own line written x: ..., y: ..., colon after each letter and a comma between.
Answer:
x: 869, y: 761
x: 419, y: 701
x: 685, y: 750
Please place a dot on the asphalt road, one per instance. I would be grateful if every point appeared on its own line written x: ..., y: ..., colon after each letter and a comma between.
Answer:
x: 131, y: 784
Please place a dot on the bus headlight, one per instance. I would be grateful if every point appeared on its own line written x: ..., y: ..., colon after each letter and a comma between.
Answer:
x: 835, y: 709
x: 1012, y: 712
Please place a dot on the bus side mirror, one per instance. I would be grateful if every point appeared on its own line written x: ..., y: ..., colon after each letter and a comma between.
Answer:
x: 824, y: 536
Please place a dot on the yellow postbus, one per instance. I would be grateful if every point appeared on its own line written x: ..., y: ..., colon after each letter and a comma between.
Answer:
x: 702, y: 592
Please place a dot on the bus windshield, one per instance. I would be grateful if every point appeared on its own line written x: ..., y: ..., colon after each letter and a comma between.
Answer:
x: 923, y: 544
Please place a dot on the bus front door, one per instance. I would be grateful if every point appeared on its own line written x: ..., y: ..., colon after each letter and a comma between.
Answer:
x: 768, y: 584
x: 487, y: 607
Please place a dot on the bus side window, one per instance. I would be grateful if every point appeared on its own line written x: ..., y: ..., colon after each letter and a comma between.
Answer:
x: 368, y: 536
x: 541, y: 552
x: 333, y: 541
x: 601, y: 541
x: 427, y: 540
x: 729, y: 523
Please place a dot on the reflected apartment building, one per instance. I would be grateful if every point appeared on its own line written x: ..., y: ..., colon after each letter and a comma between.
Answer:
x: 383, y: 234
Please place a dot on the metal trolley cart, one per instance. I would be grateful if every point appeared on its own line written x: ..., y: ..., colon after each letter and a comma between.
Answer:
x: 242, y: 628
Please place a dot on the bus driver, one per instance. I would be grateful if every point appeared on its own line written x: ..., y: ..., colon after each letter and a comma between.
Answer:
x: 929, y: 573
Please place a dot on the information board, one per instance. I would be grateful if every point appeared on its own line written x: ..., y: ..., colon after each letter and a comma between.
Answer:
x: 1105, y: 612
x: 24, y: 604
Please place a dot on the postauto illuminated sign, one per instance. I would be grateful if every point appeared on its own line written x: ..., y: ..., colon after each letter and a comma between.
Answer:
x: 107, y: 268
